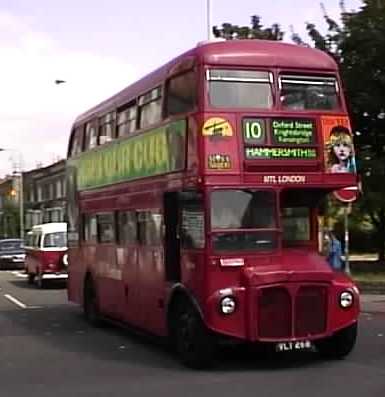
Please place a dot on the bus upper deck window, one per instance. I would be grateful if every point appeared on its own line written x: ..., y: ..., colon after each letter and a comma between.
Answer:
x: 240, y: 88
x: 308, y: 92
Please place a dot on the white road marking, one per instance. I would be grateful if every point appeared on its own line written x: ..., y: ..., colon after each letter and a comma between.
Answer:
x: 15, y: 301
x: 19, y: 274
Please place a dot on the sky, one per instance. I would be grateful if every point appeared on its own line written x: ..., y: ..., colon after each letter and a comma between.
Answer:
x: 99, y: 47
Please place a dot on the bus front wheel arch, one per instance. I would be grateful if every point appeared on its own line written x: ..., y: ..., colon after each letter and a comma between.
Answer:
x: 190, y: 337
x: 339, y: 345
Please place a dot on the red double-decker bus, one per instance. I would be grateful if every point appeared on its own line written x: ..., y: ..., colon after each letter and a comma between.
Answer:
x: 193, y: 198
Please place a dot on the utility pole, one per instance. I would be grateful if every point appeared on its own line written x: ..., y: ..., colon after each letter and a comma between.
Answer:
x: 21, y: 201
x: 208, y: 16
x: 347, y: 211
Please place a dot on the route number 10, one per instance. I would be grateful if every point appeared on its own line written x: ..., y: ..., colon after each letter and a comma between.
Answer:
x: 254, y: 130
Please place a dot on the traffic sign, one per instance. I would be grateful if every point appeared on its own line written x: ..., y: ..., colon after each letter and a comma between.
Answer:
x: 347, y: 194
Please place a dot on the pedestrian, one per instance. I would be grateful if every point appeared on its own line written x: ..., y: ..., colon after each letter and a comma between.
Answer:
x: 334, y: 255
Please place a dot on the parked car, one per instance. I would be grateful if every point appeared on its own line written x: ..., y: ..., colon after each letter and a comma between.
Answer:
x: 12, y: 253
x: 46, y: 253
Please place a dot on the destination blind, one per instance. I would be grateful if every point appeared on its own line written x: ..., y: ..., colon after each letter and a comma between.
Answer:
x: 279, y: 138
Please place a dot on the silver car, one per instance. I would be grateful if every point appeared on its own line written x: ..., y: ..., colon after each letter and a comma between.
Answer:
x: 12, y: 254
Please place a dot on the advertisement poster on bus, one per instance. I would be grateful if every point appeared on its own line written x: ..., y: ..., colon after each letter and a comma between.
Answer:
x: 338, y: 145
x: 159, y: 151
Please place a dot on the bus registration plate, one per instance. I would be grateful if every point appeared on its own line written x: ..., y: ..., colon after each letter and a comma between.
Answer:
x: 296, y: 345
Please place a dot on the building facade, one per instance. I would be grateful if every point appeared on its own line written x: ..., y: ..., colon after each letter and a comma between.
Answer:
x: 44, y: 195
x: 10, y: 206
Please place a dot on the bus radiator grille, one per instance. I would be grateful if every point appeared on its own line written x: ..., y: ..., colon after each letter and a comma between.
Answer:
x: 310, y: 311
x: 274, y: 313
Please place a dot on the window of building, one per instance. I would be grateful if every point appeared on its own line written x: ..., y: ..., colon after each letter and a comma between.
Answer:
x: 106, y: 227
x: 106, y: 128
x: 127, y: 227
x: 51, y: 190
x: 39, y: 193
x: 90, y: 228
x: 126, y: 123
x: 181, y: 93
x: 54, y: 214
x: 29, y: 219
x: 31, y: 195
x: 45, y: 190
x: 91, y: 137
x: 150, y: 226
x: 59, y: 191
x: 37, y: 217
x: 150, y: 108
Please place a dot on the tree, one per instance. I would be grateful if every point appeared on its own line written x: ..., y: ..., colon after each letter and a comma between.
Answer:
x: 358, y: 46
x: 254, y: 31
x: 9, y: 220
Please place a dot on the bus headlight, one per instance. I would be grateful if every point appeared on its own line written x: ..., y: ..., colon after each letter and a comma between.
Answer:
x: 346, y: 299
x: 65, y: 259
x: 227, y: 305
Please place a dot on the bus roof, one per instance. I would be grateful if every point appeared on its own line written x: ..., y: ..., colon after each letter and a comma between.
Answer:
x: 245, y: 53
x: 51, y: 227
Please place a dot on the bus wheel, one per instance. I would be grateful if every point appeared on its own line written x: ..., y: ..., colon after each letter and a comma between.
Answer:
x: 193, y: 342
x: 90, y: 303
x: 31, y: 278
x: 339, y: 345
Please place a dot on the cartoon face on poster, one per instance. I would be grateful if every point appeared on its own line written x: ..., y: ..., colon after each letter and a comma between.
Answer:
x: 339, y: 148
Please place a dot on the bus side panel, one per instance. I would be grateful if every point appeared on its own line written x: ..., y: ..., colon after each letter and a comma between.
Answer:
x: 127, y: 259
x: 151, y: 292
x: 76, y: 274
x: 109, y: 281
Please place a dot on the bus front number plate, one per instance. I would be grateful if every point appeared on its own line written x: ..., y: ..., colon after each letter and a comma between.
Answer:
x: 289, y: 346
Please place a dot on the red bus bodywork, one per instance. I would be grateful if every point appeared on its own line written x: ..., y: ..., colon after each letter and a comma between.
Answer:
x: 281, y: 295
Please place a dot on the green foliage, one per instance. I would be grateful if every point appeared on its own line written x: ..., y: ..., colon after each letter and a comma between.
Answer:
x: 9, y: 224
x: 358, y: 45
x: 256, y: 30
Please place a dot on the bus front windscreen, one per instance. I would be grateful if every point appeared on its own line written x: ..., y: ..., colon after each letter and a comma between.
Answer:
x: 243, y: 220
x: 240, y: 88
x: 55, y: 240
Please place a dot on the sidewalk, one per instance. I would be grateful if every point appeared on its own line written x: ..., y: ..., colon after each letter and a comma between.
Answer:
x: 372, y: 303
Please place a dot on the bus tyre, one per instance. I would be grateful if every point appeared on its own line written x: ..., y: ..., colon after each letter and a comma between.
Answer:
x: 192, y: 340
x: 339, y: 345
x: 90, y: 303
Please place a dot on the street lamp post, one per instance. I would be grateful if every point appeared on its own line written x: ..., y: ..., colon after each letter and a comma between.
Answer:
x: 208, y: 16
x: 21, y: 192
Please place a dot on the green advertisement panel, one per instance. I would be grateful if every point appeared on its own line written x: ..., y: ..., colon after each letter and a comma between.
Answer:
x: 158, y: 151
